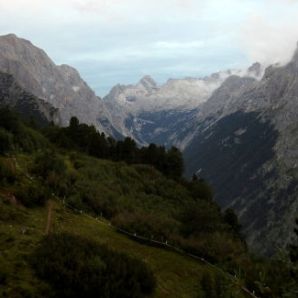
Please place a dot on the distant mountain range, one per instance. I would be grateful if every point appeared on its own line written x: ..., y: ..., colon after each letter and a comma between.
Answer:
x: 151, y: 113
x: 237, y: 128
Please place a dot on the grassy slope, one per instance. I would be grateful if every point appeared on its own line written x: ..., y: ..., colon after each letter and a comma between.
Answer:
x: 22, y: 228
x: 177, y: 276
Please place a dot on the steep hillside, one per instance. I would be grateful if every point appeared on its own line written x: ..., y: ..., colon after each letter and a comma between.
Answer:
x: 82, y: 191
x: 54, y: 201
x: 22, y: 229
x: 246, y: 145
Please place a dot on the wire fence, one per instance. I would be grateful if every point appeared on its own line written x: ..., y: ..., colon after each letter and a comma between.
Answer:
x: 159, y: 244
x: 142, y: 239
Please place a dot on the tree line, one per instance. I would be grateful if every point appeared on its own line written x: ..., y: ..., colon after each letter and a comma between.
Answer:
x: 87, y: 139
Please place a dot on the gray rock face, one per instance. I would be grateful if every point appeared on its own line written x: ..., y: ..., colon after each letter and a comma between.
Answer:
x: 26, y: 104
x: 246, y: 144
x: 61, y: 86
x: 255, y: 69
x: 148, y: 83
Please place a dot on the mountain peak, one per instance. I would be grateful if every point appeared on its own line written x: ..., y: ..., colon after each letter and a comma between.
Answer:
x: 255, y: 69
x: 148, y: 82
x: 69, y: 70
x: 13, y: 38
x: 10, y: 35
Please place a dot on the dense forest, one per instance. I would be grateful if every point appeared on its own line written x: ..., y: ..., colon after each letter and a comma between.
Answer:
x: 88, y: 140
x: 139, y: 190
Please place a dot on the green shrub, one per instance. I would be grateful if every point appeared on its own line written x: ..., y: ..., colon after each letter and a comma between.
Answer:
x: 6, y: 143
x: 93, y: 197
x: 200, y: 217
x: 51, y: 168
x: 7, y: 170
x: 216, y: 247
x: 31, y: 195
x: 199, y: 189
x: 215, y: 286
x: 8, y: 212
x: 29, y: 140
x: 48, y: 162
x: 9, y: 120
x: 15, y: 134
x: 77, y: 267
x: 146, y: 224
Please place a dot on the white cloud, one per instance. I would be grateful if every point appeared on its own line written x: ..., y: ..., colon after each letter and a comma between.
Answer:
x: 271, y: 36
x: 155, y: 36
x: 101, y: 10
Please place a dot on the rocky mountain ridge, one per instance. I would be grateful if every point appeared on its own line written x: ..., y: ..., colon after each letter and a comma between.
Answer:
x: 246, y: 144
x: 135, y: 108
x: 61, y: 86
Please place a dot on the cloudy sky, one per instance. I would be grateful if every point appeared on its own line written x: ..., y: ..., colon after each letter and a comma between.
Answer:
x: 119, y: 41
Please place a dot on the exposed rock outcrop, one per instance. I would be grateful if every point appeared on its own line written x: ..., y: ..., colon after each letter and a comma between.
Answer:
x: 246, y: 145
x: 61, y: 86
